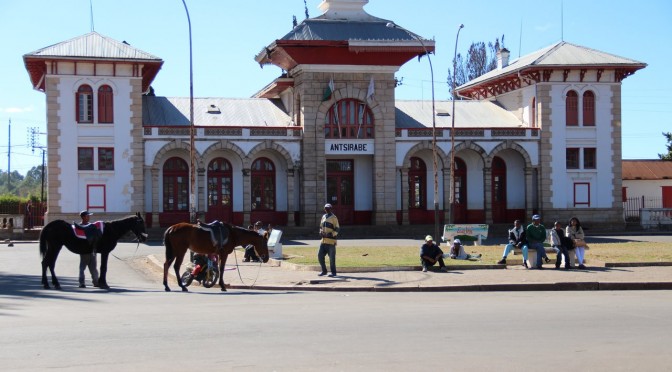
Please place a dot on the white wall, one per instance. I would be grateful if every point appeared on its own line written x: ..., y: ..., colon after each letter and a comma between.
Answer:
x: 648, y: 188
x: 599, y: 137
x: 73, y: 135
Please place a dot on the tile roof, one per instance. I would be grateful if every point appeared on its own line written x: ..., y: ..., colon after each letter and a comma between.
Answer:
x: 468, y: 114
x: 647, y: 169
x: 93, y: 45
x: 559, y: 54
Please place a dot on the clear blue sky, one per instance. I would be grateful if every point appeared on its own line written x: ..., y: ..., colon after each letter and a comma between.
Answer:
x: 227, y: 34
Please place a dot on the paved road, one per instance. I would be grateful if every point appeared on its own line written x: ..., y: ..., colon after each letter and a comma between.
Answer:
x: 136, y: 326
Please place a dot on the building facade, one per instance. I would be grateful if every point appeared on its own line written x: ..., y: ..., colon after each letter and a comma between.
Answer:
x: 541, y: 134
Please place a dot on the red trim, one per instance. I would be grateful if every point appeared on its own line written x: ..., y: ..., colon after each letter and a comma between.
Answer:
x: 588, y: 109
x: 79, y: 158
x: 88, y: 198
x: 572, y: 109
x: 581, y: 203
x: 105, y: 105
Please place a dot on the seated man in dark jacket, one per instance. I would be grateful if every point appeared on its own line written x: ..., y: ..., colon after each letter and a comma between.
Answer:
x: 430, y: 254
x: 516, y: 240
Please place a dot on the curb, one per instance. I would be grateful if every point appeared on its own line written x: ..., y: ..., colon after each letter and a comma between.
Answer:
x: 537, y: 287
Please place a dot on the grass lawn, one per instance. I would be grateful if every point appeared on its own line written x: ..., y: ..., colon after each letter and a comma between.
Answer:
x: 409, y: 255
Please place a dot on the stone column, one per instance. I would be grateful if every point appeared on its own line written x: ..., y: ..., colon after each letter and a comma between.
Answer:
x: 446, y: 196
x: 487, y: 193
x: 404, y: 195
x: 201, y: 193
x: 155, y: 196
x: 247, y: 195
x: 290, y: 197
x: 530, y: 193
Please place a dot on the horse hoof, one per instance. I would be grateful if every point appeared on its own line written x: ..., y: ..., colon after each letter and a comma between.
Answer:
x: 46, y: 286
x: 57, y: 287
x: 223, y: 289
x: 167, y: 289
x: 104, y: 286
x: 184, y: 289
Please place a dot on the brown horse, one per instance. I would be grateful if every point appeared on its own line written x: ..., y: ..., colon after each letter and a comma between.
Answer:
x: 182, y: 236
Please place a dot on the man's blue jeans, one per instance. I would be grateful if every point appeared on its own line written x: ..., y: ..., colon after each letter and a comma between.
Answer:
x: 510, y: 247
x: 541, y: 251
x: 327, y: 249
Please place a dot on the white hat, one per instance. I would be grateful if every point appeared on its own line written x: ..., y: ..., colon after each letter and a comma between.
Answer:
x: 327, y: 205
x: 457, y: 241
x: 536, y: 217
x: 428, y: 238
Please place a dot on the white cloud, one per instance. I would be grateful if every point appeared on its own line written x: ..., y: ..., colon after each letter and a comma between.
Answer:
x: 17, y: 110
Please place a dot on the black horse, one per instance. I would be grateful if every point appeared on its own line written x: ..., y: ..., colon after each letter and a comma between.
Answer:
x: 58, y: 233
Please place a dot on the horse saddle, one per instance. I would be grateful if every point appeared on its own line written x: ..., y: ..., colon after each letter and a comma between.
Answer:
x: 218, y: 232
x: 88, y: 232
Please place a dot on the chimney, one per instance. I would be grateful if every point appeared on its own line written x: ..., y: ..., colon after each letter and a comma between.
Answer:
x: 502, y: 58
x: 345, y: 9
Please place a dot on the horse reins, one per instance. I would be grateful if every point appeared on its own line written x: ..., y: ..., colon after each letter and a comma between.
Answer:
x: 238, y: 269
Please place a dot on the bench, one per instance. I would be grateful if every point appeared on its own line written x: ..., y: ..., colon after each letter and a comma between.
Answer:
x: 532, y: 254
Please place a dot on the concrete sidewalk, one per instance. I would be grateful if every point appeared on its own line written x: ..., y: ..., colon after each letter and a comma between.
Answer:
x: 282, y: 275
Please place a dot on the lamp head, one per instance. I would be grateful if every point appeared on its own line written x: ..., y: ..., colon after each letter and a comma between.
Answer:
x: 461, y: 25
x: 390, y: 25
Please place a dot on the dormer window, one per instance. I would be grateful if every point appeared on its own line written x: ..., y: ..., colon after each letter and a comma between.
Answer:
x: 212, y: 109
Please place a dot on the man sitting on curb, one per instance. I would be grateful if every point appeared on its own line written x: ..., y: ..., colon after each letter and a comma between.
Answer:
x: 430, y: 253
x: 516, y: 240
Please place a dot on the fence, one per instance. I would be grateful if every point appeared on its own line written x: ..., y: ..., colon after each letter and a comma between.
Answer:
x: 33, y: 219
x: 632, y: 207
x: 656, y: 217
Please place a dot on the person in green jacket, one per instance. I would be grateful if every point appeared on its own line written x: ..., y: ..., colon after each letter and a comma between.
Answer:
x: 536, y: 235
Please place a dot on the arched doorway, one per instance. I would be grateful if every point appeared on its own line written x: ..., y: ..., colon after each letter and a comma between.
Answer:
x: 417, y: 192
x: 340, y: 189
x: 263, y: 192
x: 460, y: 189
x: 220, y: 191
x: 498, y: 190
x: 175, y: 186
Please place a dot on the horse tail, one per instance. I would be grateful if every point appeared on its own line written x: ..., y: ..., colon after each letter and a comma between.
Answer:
x: 170, y: 255
x: 43, y: 241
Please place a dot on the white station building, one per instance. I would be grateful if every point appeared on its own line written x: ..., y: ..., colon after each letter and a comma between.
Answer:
x: 539, y: 134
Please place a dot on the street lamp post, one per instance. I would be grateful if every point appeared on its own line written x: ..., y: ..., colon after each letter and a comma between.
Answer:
x: 434, y: 154
x: 192, y: 150
x: 452, y: 136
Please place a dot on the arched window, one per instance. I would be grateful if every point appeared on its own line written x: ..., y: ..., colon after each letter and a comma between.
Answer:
x: 84, y: 98
x: 588, y: 109
x: 263, y: 185
x: 417, y: 184
x: 220, y: 181
x: 105, y: 106
x: 572, y: 108
x: 175, y: 185
x: 533, y: 113
x: 349, y: 118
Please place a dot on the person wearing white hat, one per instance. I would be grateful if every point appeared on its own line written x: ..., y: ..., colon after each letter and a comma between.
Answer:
x: 329, y: 230
x: 457, y: 252
x: 430, y: 254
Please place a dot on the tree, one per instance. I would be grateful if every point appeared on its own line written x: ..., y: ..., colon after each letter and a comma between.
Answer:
x: 479, y: 60
x: 667, y: 156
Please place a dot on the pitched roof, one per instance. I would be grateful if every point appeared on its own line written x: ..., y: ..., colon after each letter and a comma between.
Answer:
x: 468, y: 114
x: 93, y: 45
x: 215, y: 112
x: 90, y: 47
x: 647, y: 169
x: 559, y: 54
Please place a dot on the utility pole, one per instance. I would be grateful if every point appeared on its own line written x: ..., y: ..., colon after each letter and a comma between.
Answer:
x: 9, y: 156
x: 35, y: 144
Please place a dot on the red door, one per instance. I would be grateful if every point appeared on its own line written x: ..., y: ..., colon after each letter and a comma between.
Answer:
x: 667, y: 196
x: 341, y: 190
x: 220, y: 191
x: 417, y: 193
x: 498, y: 190
x: 460, y: 197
